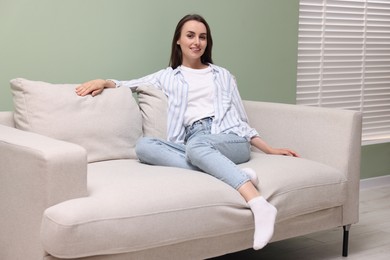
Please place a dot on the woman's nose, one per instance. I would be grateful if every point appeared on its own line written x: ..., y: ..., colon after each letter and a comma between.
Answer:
x: 197, y: 40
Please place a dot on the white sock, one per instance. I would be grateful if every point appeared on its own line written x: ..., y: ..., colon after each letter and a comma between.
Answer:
x: 252, y: 175
x: 264, y: 214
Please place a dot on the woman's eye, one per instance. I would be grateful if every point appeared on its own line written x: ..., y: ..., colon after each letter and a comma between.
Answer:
x: 190, y: 35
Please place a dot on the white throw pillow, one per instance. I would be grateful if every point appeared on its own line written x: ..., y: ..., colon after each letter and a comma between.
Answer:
x: 154, y: 108
x: 107, y: 125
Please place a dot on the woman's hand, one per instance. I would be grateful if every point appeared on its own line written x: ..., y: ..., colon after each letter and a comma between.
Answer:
x: 263, y: 146
x: 94, y: 87
x: 283, y: 151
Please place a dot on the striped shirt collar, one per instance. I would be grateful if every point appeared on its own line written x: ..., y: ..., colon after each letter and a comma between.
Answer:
x: 213, y: 67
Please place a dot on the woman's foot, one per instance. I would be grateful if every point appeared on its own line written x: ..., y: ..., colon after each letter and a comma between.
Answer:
x: 264, y: 214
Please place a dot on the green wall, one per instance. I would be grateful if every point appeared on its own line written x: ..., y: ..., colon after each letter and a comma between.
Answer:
x: 375, y: 160
x: 73, y: 41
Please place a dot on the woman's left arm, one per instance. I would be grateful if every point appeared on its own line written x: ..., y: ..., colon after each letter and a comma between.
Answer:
x: 259, y: 143
x: 256, y: 141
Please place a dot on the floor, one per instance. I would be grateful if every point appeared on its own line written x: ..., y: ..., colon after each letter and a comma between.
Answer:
x: 369, y: 239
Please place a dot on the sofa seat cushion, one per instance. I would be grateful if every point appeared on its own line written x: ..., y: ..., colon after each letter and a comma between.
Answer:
x: 297, y: 186
x: 132, y: 206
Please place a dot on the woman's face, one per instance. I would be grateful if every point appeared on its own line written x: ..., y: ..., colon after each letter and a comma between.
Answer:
x: 193, y: 43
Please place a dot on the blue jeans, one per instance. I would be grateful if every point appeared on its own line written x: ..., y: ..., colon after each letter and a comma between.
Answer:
x: 215, y: 154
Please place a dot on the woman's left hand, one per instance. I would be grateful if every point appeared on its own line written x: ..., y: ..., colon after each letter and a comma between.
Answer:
x: 263, y: 146
x: 283, y: 151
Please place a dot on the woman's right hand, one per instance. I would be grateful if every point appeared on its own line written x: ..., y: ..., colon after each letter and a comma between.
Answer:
x: 94, y: 87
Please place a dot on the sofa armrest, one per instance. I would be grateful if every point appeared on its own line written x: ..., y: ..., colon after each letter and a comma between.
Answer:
x: 325, y: 135
x: 35, y: 172
x: 7, y: 118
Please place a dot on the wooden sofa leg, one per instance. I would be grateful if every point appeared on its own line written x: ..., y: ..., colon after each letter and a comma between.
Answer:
x: 346, y: 239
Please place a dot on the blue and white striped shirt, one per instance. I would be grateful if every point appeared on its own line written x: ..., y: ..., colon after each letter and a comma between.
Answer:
x: 229, y: 116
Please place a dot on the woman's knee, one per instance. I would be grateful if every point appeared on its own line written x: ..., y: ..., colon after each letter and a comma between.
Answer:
x: 237, y: 151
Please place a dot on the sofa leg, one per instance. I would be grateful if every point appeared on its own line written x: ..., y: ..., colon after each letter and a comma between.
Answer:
x: 346, y: 239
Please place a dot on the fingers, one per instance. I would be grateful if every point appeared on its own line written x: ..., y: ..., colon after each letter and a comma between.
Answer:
x: 96, y: 92
x: 295, y: 154
x: 83, y: 89
x: 291, y: 153
x: 288, y: 152
x: 80, y: 90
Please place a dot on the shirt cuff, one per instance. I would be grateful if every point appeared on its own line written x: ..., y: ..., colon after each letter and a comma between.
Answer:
x: 116, y: 82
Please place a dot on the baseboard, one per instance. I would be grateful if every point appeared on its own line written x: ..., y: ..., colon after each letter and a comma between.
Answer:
x: 375, y: 182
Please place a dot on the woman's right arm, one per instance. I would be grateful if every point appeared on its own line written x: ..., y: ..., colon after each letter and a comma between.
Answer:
x: 95, y: 87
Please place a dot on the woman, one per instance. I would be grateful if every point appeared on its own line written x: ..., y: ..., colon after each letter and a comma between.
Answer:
x: 207, y: 126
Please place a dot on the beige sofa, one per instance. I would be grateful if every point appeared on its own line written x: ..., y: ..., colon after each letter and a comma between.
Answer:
x: 71, y: 186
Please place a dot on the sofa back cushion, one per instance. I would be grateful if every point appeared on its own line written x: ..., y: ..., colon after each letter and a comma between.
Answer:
x: 107, y: 125
x: 154, y: 108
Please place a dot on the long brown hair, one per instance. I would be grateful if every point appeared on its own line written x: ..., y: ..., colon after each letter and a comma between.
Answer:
x: 176, y: 54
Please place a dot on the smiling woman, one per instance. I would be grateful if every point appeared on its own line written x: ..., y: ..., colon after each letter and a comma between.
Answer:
x: 207, y: 125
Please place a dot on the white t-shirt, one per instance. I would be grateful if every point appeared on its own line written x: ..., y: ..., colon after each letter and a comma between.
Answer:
x: 200, y: 94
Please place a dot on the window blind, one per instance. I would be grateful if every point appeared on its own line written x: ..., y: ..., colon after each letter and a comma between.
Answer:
x: 344, y: 60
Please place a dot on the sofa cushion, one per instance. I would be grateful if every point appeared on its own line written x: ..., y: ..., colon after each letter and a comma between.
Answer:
x: 298, y: 186
x: 154, y: 108
x: 107, y: 125
x: 133, y: 206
